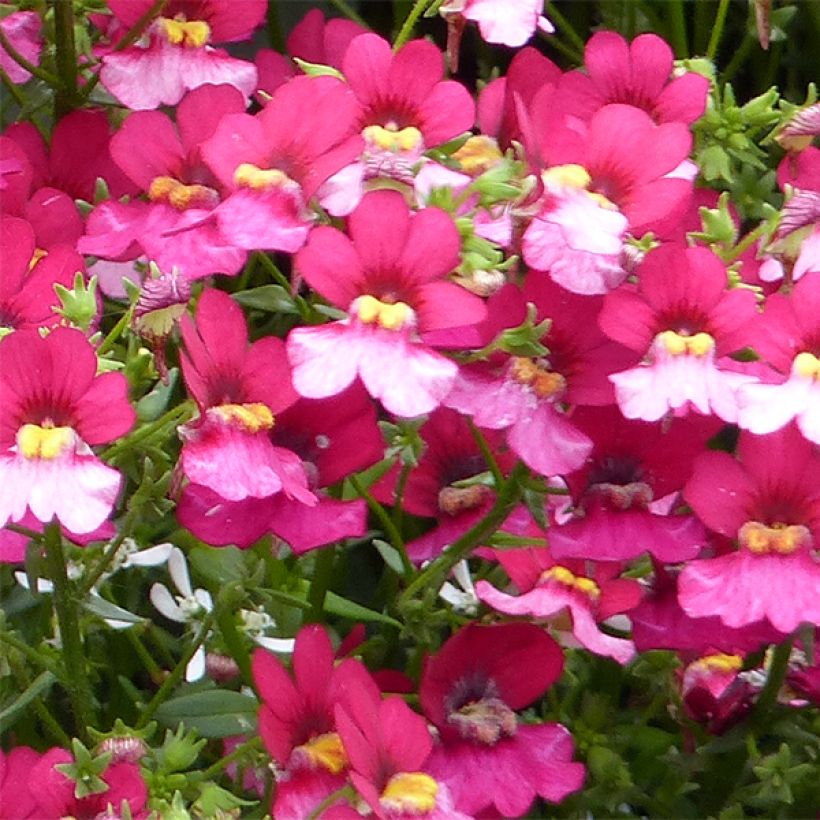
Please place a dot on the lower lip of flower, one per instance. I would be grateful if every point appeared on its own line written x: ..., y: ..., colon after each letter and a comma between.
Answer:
x: 569, y: 579
x: 389, y: 315
x: 190, y: 34
x: 410, y: 792
x: 248, y: 417
x: 781, y: 539
x: 46, y: 442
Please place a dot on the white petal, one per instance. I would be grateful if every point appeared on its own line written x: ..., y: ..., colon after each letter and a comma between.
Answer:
x: 162, y: 599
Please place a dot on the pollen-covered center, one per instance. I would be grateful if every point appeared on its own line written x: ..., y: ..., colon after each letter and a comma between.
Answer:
x: 410, y: 793
x: 567, y: 578
x: 806, y: 365
x: 250, y: 418
x: 560, y: 178
x: 478, y: 154
x: 389, y: 315
x: 248, y: 175
x: 393, y: 139
x: 681, y: 344
x: 454, y: 500
x: 486, y: 720
x: 545, y: 383
x: 188, y: 33
x: 324, y: 751
x: 44, y: 442
x: 780, y: 539
x: 181, y: 196
x: 718, y: 663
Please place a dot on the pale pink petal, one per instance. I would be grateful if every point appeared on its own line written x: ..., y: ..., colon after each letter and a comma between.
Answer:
x: 509, y: 22
x: 547, y: 442
x: 325, y: 359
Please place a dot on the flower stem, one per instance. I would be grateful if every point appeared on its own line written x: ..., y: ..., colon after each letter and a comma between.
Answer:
x: 349, y: 12
x: 774, y: 681
x: 46, y: 76
x: 252, y: 745
x: 176, y: 415
x: 65, y: 57
x: 65, y: 605
x: 410, y: 23
x: 717, y: 29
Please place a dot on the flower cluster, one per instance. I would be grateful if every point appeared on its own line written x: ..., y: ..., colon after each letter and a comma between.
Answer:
x: 369, y: 324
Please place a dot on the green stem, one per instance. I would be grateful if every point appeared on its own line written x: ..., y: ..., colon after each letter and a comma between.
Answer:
x: 46, y: 76
x: 677, y: 28
x: 774, y: 681
x: 737, y: 60
x: 489, y: 458
x: 176, y: 674
x: 15, y: 92
x: 145, y: 656
x: 116, y: 331
x: 20, y: 530
x: 252, y: 745
x: 65, y: 57
x: 320, y: 582
x: 410, y: 23
x: 745, y: 243
x: 565, y: 27
x: 717, y: 29
x: 31, y: 654
x: 176, y: 416
x: 435, y: 574
x: 349, y: 12
x: 65, y: 605
x: 398, y: 495
x: 234, y: 641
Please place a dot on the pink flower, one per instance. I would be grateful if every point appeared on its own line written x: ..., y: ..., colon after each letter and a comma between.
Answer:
x: 177, y: 56
x: 238, y: 389
x: 53, y: 409
x: 769, y: 500
x: 684, y: 318
x: 470, y: 690
x: 713, y: 691
x: 390, y: 277
x: 14, y: 771
x: 273, y: 163
x: 22, y: 28
x: 547, y: 588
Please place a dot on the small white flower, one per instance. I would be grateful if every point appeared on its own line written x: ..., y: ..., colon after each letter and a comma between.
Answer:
x: 255, y: 622
x: 462, y: 600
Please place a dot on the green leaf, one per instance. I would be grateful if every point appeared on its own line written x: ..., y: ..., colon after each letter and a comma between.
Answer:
x: 153, y: 404
x: 39, y: 686
x: 108, y: 611
x: 273, y: 298
x: 214, y: 713
x: 220, y: 565
x: 390, y: 555
x: 336, y: 605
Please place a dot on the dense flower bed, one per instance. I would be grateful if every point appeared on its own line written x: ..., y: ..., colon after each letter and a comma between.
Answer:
x: 417, y: 427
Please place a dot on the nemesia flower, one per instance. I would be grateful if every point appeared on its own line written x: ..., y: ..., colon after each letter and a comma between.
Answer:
x: 189, y: 606
x: 54, y: 791
x: 509, y: 22
x: 684, y: 319
x: 273, y: 163
x: 769, y: 500
x: 297, y: 723
x: 14, y: 771
x: 175, y: 55
x: 22, y: 28
x: 53, y: 409
x: 390, y: 278
x: 547, y: 587
x: 387, y: 745
x: 714, y: 692
x: 633, y: 466
x: 639, y: 73
x: 238, y: 389
x: 789, y: 340
x: 470, y: 689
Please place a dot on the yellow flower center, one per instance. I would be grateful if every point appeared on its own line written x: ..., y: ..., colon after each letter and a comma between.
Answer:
x: 783, y: 539
x: 561, y: 177
x: 38, y: 254
x: 544, y: 382
x: 251, y: 176
x: 569, y: 579
x: 325, y: 751
x: 181, y: 196
x: 190, y: 34
x: 719, y: 663
x: 806, y: 365
x: 410, y: 792
x: 47, y: 442
x: 478, y: 154
x: 393, y: 139
x: 389, y: 315
x: 248, y: 417
x: 678, y: 344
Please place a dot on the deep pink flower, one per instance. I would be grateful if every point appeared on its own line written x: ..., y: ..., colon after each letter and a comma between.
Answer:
x: 14, y: 790
x: 22, y: 28
x: 239, y: 389
x: 27, y: 296
x: 684, y: 318
x: 639, y: 73
x: 714, y: 693
x: 632, y: 467
x: 273, y: 163
x: 178, y: 55
x: 390, y: 276
x: 470, y: 690
x: 54, y: 791
x: 769, y: 500
x: 526, y: 396
x: 53, y: 409
x: 178, y: 228
x: 788, y: 338
x: 547, y: 588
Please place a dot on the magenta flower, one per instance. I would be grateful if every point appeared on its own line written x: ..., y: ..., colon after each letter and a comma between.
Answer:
x: 633, y: 467
x: 238, y: 390
x: 22, y: 28
x: 53, y: 409
x: 769, y: 500
x: 178, y: 55
x: 14, y: 771
x: 639, y: 73
x: 471, y: 689
x: 390, y: 277
x: 713, y: 691
x: 683, y: 318
x: 548, y: 588
x: 789, y: 340
x: 273, y: 163
x: 178, y: 228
